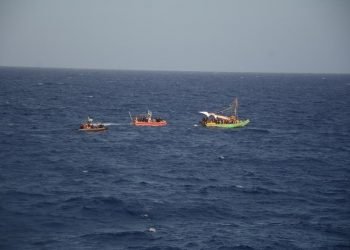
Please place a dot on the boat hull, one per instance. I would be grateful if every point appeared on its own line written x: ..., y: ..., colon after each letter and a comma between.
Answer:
x: 239, y: 124
x: 150, y: 124
x: 93, y: 129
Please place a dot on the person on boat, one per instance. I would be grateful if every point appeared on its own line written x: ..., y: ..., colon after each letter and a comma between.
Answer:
x: 149, y: 116
x: 233, y: 119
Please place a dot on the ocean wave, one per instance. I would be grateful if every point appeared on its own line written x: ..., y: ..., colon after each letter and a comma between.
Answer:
x: 238, y: 247
x: 158, y: 248
x: 103, y: 236
x: 98, y: 200
x: 115, y: 124
x: 240, y: 188
x: 258, y: 130
x: 42, y: 243
x: 22, y: 194
x: 103, y: 206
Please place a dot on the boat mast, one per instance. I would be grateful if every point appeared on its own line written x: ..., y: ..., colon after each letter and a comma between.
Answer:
x: 235, y: 105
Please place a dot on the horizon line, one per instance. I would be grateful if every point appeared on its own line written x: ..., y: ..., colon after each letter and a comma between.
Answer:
x: 169, y: 70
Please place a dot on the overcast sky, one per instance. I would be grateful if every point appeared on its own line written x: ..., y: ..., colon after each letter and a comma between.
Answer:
x: 191, y: 35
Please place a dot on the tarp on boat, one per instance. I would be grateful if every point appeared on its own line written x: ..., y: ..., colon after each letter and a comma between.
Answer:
x: 215, y: 115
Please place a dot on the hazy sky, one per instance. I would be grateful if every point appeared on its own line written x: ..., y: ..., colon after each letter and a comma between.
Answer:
x: 218, y: 35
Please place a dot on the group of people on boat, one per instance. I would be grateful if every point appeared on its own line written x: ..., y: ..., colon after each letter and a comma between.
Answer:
x: 216, y: 120
x: 147, y: 119
x: 90, y: 125
x: 224, y: 118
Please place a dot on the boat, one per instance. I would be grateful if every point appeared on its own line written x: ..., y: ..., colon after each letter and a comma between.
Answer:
x: 90, y: 126
x: 220, y: 120
x: 147, y: 120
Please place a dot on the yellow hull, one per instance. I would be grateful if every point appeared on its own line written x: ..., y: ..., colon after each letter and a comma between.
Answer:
x: 238, y: 124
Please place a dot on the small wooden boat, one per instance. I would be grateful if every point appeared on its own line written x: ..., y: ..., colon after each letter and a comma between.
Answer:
x: 220, y: 120
x: 97, y: 129
x: 144, y: 120
x: 89, y: 126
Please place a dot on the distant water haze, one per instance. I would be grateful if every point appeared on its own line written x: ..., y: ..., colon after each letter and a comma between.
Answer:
x: 192, y: 35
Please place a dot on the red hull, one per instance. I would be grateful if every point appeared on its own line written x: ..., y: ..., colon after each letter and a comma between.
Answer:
x: 150, y: 124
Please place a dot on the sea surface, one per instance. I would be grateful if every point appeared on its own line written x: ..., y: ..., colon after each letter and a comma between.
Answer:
x: 282, y: 182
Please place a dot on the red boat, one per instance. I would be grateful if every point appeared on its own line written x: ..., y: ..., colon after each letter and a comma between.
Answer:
x: 151, y: 123
x: 147, y: 120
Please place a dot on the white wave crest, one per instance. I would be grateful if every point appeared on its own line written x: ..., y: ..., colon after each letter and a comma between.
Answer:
x: 115, y: 124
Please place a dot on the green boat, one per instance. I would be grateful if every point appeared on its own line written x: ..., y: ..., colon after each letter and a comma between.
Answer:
x: 238, y: 124
x: 220, y: 120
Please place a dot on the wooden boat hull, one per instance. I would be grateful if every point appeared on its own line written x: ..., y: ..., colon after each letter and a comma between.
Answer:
x: 150, y: 124
x: 239, y: 124
x: 93, y: 129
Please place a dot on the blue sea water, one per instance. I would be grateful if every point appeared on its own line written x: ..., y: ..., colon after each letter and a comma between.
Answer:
x: 282, y: 182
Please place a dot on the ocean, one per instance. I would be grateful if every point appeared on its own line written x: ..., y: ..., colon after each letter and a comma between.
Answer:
x: 282, y: 182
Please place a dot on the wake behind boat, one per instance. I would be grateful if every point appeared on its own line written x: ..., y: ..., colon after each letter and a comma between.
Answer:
x: 89, y: 126
x: 219, y: 119
x: 147, y: 120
